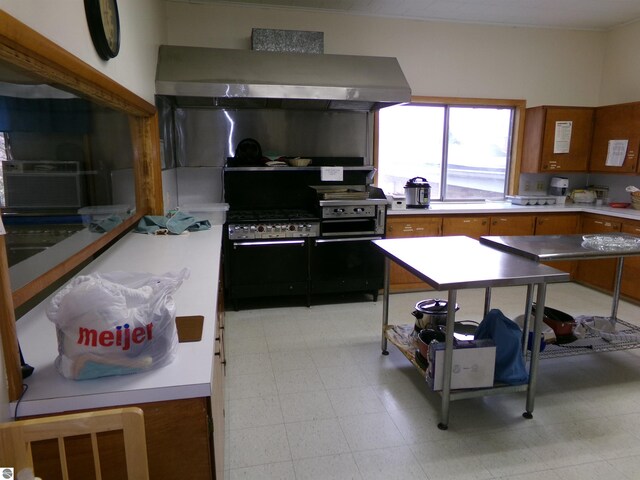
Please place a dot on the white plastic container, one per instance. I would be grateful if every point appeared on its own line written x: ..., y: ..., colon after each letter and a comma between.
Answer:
x: 216, y: 213
x: 397, y: 201
x: 100, y: 212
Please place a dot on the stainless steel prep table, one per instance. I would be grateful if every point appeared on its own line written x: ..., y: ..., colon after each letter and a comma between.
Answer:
x: 457, y: 262
x: 547, y: 248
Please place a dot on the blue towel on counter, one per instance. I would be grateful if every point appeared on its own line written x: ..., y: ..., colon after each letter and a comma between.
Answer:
x: 175, y: 224
x: 507, y: 336
x: 106, y: 224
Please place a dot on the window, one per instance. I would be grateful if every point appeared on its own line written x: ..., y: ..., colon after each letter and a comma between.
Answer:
x: 464, y: 151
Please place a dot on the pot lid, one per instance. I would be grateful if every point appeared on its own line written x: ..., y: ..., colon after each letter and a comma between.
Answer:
x: 434, y: 306
x: 417, y: 182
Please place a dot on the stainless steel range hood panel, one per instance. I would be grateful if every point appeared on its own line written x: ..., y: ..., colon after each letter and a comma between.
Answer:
x: 227, y: 78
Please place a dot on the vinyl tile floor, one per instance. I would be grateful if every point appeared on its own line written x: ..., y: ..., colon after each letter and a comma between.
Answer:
x: 309, y: 396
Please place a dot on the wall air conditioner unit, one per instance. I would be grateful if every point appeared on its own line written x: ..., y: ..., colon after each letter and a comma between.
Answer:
x: 45, y: 184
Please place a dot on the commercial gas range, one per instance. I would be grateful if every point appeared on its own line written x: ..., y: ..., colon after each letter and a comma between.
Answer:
x: 288, y: 234
x: 265, y: 224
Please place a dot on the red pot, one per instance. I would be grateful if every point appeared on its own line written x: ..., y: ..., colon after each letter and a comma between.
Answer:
x: 560, y: 322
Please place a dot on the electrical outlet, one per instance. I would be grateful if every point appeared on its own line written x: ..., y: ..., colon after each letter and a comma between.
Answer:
x: 540, y: 186
x: 527, y: 186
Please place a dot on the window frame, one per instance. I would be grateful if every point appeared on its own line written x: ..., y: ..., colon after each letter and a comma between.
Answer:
x: 28, y: 50
x: 519, y: 106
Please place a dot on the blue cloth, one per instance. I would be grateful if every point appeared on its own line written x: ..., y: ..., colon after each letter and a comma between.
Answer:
x: 507, y: 336
x: 175, y: 224
x: 106, y: 224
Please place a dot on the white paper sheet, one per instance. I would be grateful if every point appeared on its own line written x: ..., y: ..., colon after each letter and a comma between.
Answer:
x: 616, y: 153
x: 2, y: 230
x: 562, y: 139
x: 331, y: 174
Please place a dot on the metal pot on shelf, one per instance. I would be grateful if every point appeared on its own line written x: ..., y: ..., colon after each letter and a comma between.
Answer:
x: 431, y: 313
x: 417, y: 192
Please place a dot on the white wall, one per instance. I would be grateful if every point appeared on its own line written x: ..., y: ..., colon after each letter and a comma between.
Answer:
x: 542, y: 66
x: 142, y: 25
x: 621, y: 70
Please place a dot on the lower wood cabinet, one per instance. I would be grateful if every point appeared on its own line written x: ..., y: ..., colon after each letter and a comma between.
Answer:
x: 179, y: 445
x: 631, y: 271
x: 217, y: 401
x: 512, y: 225
x: 474, y: 227
x: 598, y: 273
x: 405, y: 227
x: 559, y: 224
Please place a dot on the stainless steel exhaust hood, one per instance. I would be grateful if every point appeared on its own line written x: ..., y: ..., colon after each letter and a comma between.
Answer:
x: 227, y: 78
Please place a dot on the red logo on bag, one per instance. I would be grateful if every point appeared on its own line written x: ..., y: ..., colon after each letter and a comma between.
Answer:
x: 123, y: 336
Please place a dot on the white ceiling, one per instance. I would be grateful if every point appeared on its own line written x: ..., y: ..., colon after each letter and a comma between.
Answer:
x: 572, y: 14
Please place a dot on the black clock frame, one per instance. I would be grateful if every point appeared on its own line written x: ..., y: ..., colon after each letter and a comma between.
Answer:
x: 97, y: 29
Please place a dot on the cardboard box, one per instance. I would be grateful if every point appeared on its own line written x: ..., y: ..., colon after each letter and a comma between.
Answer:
x: 473, y: 366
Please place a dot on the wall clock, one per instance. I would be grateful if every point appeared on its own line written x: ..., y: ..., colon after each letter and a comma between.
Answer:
x: 104, y: 26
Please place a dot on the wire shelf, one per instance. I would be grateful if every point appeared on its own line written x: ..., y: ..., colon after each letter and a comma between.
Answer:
x: 594, y: 343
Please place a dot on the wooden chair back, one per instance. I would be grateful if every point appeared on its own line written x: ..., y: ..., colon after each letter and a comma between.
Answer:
x: 16, y: 439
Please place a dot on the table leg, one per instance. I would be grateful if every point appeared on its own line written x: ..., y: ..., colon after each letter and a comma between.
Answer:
x: 616, y: 290
x: 535, y: 350
x: 448, y: 362
x: 487, y: 301
x: 527, y: 323
x: 385, y: 304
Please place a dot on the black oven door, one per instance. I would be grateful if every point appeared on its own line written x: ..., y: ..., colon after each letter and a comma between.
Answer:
x: 346, y: 264
x: 257, y: 268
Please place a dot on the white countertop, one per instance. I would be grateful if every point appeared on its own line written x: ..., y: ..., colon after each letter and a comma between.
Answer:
x: 444, y: 208
x: 188, y: 376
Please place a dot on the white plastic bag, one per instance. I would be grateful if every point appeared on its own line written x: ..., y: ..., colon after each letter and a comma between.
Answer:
x: 115, y: 323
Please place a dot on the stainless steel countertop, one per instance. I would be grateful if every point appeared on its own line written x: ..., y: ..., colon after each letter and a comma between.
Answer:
x: 461, y: 262
x: 557, y: 247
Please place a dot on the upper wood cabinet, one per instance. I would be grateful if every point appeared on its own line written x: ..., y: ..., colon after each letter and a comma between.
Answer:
x: 616, y: 122
x: 541, y: 124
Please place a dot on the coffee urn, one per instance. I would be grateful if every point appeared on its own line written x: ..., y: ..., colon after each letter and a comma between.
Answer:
x: 417, y: 192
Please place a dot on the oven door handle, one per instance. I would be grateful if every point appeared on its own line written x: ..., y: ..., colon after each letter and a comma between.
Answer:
x: 350, y: 239
x: 268, y: 243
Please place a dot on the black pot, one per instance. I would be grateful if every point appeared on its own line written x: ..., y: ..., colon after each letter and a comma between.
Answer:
x: 248, y: 153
